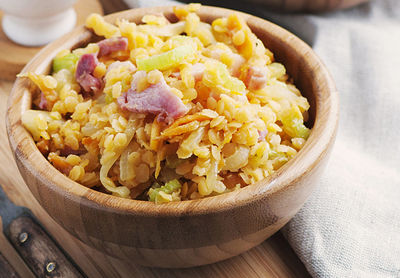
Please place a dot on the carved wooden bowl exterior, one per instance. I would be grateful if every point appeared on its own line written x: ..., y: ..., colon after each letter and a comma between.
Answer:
x: 188, y: 233
x: 314, y: 6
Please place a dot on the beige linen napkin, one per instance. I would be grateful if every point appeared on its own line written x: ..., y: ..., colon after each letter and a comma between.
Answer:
x: 350, y: 226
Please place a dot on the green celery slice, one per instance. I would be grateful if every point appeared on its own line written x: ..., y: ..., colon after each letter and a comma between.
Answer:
x: 163, y: 61
x: 66, y: 62
x: 168, y: 188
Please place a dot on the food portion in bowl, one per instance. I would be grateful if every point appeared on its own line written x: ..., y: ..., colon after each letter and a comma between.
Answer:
x: 166, y: 111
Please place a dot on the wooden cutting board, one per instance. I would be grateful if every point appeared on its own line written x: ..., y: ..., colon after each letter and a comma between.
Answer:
x: 273, y: 258
x: 13, y: 57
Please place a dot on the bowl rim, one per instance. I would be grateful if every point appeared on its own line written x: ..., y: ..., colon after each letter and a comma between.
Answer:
x: 316, y: 147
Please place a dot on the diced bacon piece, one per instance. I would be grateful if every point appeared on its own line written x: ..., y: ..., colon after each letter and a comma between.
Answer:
x: 237, y: 63
x: 43, y: 102
x: 89, y: 83
x: 155, y: 99
x: 84, y: 73
x: 110, y: 45
x: 126, y: 64
x: 256, y: 78
x: 86, y: 64
x: 68, y: 150
x: 262, y: 134
x: 198, y: 71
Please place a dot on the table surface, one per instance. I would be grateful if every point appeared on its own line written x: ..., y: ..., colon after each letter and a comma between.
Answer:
x: 273, y: 258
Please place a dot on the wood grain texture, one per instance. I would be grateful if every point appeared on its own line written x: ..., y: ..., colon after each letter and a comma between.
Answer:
x: 189, y: 233
x: 6, y: 269
x: 14, y: 57
x: 313, y: 6
x: 39, y: 251
x: 113, y: 6
x: 5, y: 246
x: 272, y: 258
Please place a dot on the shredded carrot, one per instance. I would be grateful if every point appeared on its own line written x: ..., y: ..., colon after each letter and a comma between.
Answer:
x: 60, y: 163
x: 174, y: 131
x: 155, y: 135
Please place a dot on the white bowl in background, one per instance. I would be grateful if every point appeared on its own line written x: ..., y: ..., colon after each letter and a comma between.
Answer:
x: 37, y: 22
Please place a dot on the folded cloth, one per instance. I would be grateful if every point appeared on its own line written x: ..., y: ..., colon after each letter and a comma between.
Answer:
x: 350, y: 226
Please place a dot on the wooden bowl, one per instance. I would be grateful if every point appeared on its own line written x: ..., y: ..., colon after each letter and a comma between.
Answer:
x: 187, y: 233
x: 313, y: 6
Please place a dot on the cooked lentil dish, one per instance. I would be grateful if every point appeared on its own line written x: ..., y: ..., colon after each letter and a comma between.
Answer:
x: 165, y: 111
